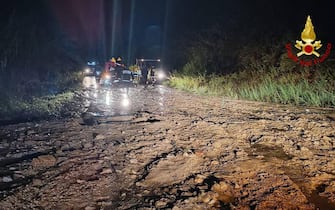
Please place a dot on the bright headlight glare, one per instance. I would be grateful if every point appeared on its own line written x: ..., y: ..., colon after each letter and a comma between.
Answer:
x: 161, y: 75
x: 87, y: 70
x: 125, y: 102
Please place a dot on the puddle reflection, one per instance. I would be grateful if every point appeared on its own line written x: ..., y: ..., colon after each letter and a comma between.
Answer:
x: 125, y: 101
x: 90, y: 82
x: 108, y: 99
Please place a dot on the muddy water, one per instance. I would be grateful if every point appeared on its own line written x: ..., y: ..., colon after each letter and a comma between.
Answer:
x: 295, y: 174
x: 158, y: 148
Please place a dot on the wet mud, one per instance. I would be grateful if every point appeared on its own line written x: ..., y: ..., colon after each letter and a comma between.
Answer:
x: 158, y: 148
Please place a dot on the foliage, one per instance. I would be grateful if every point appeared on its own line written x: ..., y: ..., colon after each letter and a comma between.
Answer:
x: 33, y: 51
x: 37, y: 61
x: 287, y: 84
x: 14, y: 108
x: 213, y: 51
x: 260, y: 70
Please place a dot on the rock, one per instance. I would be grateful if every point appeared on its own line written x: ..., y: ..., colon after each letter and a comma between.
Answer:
x: 134, y: 161
x: 305, y: 153
x: 99, y: 137
x: 139, y: 184
x: 224, y: 192
x: 206, y: 198
x: 30, y: 132
x: 89, y: 118
x: 18, y: 176
x: 187, y: 194
x: 37, y: 183
x: 133, y: 172
x: 199, y: 179
x: 103, y: 198
x: 7, y: 179
x: 215, y: 163
x: 161, y: 203
x: 106, y: 205
x: 90, y: 208
x: 65, y: 148
x: 260, y: 156
x: 79, y: 181
x: 44, y: 161
x: 20, y: 129
x: 72, y: 146
x: 98, y: 168
x: 90, y: 176
x: 106, y: 171
x: 88, y: 145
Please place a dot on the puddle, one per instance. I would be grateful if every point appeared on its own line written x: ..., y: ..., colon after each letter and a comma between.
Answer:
x: 294, y: 172
x: 269, y: 152
x: 320, y: 202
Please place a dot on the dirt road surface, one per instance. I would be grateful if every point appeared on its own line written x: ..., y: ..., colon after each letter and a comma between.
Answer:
x: 158, y: 148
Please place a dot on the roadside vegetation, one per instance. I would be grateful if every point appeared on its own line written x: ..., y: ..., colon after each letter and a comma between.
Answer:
x: 38, y: 64
x: 308, y: 87
x: 17, y: 110
x: 39, y: 99
x: 257, y: 70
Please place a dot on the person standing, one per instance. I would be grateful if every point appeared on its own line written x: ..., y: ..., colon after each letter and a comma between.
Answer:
x: 119, y: 67
x: 152, y: 76
x: 144, y: 72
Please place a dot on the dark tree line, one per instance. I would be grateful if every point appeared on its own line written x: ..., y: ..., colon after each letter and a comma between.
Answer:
x: 33, y: 49
x: 225, y: 36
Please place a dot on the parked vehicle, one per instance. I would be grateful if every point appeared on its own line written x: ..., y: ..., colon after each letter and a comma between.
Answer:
x: 125, y: 79
x: 92, y: 69
x: 149, y: 71
x: 115, y: 79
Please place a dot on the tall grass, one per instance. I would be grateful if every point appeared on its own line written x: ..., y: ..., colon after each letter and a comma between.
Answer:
x: 35, y: 108
x: 306, y: 87
x: 38, y: 99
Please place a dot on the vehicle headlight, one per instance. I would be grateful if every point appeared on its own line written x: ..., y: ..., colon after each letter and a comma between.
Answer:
x: 125, y: 102
x: 161, y: 75
x: 87, y: 70
x: 108, y: 76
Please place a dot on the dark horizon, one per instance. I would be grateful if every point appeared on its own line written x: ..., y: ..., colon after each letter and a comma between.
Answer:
x: 151, y: 28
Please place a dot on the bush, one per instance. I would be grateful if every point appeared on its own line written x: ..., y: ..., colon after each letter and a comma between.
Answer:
x: 311, y: 87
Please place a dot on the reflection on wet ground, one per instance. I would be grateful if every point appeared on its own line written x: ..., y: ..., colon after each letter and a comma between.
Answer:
x: 295, y: 173
x: 111, y: 101
x: 158, y: 148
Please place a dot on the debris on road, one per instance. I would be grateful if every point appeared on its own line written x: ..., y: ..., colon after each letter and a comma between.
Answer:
x: 171, y: 150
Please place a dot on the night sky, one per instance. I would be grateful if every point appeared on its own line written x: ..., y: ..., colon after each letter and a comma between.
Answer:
x: 150, y: 28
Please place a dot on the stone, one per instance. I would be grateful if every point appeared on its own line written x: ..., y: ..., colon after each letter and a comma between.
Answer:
x: 106, y: 171
x: 37, y: 182
x: 224, y: 192
x: 161, y: 203
x: 90, y: 208
x: 7, y: 179
x: 99, y: 137
x: 18, y: 176
x: 79, y: 181
x: 44, y: 161
x: 103, y: 198
x: 215, y: 163
x: 133, y: 161
x: 199, y: 179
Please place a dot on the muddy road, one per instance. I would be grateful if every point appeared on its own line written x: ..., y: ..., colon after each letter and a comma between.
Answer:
x: 158, y: 148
